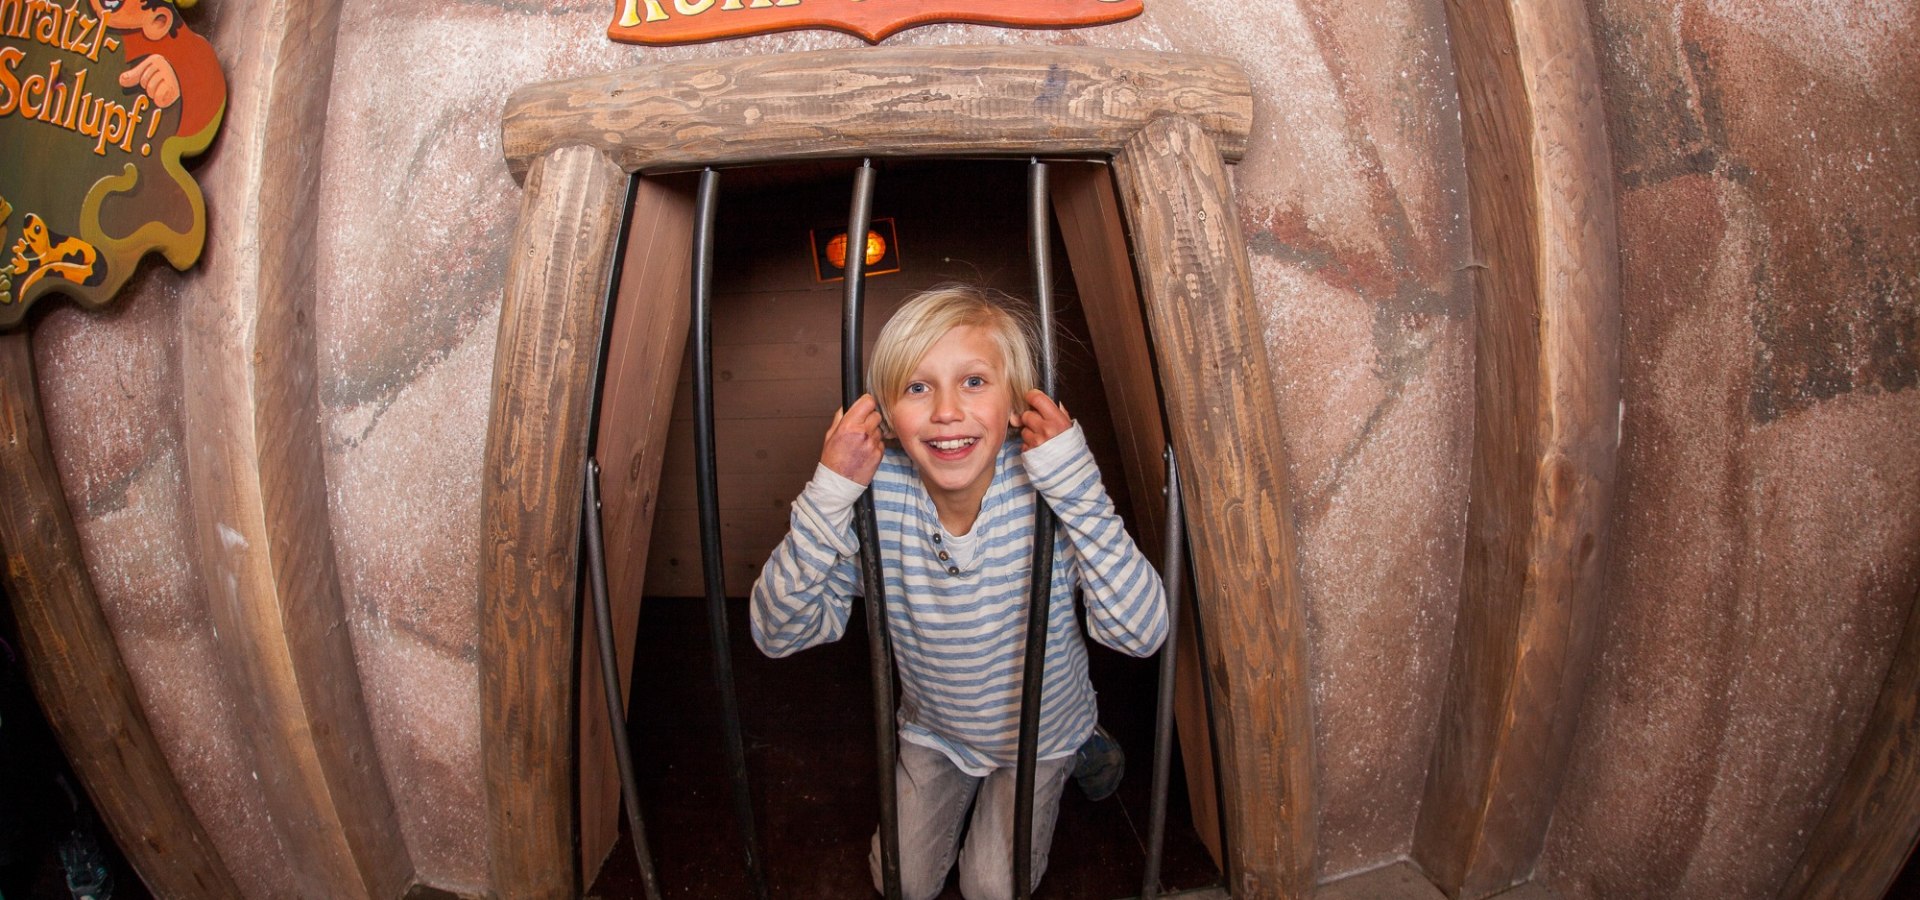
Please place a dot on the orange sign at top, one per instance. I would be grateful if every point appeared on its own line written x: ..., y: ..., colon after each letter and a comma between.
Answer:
x: 691, y: 21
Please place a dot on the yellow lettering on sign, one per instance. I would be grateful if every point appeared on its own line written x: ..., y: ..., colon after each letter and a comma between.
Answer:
x: 630, y: 13
x: 693, y: 8
x: 9, y: 83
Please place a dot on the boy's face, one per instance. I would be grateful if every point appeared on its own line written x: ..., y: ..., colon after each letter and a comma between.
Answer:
x: 953, y: 415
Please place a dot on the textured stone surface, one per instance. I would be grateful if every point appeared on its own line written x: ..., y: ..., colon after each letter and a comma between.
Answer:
x: 1767, y: 525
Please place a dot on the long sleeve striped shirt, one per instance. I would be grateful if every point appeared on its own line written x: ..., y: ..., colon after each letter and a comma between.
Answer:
x: 957, y: 606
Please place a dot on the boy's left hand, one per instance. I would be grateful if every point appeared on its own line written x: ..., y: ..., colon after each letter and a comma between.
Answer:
x: 1042, y: 420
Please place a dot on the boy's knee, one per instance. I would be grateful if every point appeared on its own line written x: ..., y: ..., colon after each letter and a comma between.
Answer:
x: 988, y: 875
x: 916, y: 882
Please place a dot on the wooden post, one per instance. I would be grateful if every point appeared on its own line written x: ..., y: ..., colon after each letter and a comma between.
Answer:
x: 1218, y: 387
x: 255, y: 469
x: 1546, y: 428
x: 76, y: 668
x: 536, y: 446
x: 1090, y: 222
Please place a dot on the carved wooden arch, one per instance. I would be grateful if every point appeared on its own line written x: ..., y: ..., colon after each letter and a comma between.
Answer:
x: 1169, y: 123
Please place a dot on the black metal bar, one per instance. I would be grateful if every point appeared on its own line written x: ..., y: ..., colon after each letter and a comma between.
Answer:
x: 610, y: 675
x: 709, y: 491
x: 879, y: 639
x: 595, y: 558
x: 1173, y: 575
x: 1041, y: 580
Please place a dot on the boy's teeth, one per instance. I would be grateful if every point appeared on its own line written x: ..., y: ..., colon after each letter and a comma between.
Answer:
x: 951, y: 445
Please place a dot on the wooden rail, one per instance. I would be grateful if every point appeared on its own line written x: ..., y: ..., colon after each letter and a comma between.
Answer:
x: 254, y: 461
x: 1546, y: 419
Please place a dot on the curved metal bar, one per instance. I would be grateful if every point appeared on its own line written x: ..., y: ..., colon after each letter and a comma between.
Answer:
x: 596, y: 560
x: 610, y: 674
x: 1034, y: 670
x: 1173, y: 574
x: 710, y: 559
x: 879, y: 640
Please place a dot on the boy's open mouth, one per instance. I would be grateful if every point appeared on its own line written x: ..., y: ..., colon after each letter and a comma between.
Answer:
x: 952, y: 446
x: 110, y: 5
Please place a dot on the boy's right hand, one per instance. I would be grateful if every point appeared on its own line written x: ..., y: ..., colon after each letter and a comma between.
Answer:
x: 853, y: 448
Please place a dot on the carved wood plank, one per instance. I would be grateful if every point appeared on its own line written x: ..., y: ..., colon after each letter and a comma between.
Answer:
x: 647, y: 338
x: 1546, y: 382
x: 75, y: 665
x: 1218, y: 390
x: 1088, y: 212
x: 893, y: 101
x: 1873, y: 820
x: 561, y: 250
x: 255, y: 470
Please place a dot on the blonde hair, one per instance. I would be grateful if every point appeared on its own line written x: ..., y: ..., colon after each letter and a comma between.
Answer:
x: 926, y: 317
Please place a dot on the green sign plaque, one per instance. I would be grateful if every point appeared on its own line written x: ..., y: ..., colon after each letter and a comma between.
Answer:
x: 99, y: 102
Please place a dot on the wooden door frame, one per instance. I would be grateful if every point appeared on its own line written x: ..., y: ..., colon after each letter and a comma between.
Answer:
x: 1168, y: 123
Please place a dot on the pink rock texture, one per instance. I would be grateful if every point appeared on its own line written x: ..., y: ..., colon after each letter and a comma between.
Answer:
x: 1767, y: 524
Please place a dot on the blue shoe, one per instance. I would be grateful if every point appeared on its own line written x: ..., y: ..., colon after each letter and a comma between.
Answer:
x: 1099, y: 765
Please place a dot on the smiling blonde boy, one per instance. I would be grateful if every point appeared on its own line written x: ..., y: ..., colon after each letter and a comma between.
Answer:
x: 954, y: 504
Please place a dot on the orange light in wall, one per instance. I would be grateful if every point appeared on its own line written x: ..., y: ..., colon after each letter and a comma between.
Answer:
x: 830, y: 251
x: 837, y: 249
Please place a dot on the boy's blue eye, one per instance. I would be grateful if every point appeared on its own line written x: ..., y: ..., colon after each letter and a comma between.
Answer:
x: 917, y: 387
x: 975, y: 381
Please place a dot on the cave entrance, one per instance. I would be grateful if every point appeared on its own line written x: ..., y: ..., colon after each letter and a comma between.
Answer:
x: 776, y: 336
x: 1164, y: 125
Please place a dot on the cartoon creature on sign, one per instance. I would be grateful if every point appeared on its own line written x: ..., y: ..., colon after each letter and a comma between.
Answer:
x: 100, y: 100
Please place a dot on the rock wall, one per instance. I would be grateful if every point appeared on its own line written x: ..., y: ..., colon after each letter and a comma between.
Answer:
x: 1767, y: 524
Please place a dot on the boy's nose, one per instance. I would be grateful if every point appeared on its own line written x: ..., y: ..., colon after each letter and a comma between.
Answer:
x: 945, y: 406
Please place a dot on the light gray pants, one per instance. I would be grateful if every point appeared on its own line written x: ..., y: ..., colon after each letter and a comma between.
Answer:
x: 934, y: 796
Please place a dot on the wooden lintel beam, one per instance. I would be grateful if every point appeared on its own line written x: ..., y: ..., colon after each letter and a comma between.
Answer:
x: 1546, y: 420
x: 1218, y: 389
x: 889, y: 101
x: 74, y: 661
x: 562, y: 251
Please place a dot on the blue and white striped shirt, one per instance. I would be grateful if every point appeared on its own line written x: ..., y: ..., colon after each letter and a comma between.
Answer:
x: 957, y: 608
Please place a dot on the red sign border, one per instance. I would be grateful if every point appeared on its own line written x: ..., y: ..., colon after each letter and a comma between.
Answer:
x: 868, y: 22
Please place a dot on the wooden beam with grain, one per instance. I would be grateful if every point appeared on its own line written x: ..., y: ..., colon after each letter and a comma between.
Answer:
x: 255, y: 464
x: 1088, y: 211
x: 1546, y: 420
x: 890, y: 101
x: 1873, y: 820
x: 561, y: 253
x: 75, y: 664
x: 1218, y: 387
x: 645, y: 343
